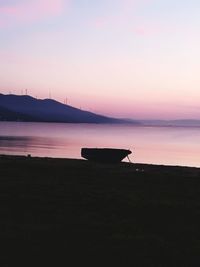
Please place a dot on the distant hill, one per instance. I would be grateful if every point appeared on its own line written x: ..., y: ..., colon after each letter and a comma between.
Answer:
x: 172, y: 123
x: 27, y: 108
x: 8, y: 115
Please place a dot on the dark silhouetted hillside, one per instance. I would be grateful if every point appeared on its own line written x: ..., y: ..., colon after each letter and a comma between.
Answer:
x: 8, y: 115
x: 27, y: 108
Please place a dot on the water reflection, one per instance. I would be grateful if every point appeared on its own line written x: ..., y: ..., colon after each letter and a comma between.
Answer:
x: 39, y: 146
x: 158, y: 145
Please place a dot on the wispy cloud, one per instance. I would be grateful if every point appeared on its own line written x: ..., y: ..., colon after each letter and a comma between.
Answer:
x: 30, y: 11
x: 146, y: 30
x: 131, y: 5
x: 126, y: 16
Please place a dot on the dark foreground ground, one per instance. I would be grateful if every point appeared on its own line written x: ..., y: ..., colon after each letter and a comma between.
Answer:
x: 58, y: 212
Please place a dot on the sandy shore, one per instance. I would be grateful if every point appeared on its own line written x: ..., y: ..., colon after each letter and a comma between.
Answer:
x: 56, y: 210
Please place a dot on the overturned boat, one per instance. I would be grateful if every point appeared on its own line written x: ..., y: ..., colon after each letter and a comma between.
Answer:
x: 105, y: 155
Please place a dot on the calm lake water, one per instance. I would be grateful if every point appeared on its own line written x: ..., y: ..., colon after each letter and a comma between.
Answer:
x: 157, y: 145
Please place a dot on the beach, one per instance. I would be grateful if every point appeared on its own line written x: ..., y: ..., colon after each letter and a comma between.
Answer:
x: 53, y: 210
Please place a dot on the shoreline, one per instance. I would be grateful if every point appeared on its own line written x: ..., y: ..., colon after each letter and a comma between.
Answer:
x: 53, y: 209
x: 29, y: 156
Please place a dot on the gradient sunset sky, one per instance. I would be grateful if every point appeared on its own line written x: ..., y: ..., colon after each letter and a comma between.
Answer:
x: 123, y: 58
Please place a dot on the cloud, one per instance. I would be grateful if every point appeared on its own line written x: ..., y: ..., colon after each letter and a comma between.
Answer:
x: 100, y: 22
x: 146, y: 31
x: 30, y: 11
x: 125, y: 15
x: 131, y: 5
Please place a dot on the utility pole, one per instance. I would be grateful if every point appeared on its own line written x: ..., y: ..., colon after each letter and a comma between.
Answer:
x: 65, y: 101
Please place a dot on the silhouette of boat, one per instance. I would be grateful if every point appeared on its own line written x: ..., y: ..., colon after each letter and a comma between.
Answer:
x: 105, y: 155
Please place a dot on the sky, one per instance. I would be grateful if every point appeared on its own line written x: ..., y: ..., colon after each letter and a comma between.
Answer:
x: 135, y: 59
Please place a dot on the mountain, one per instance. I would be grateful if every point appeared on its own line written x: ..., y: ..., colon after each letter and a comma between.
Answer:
x: 27, y: 108
x: 8, y: 115
x: 171, y: 123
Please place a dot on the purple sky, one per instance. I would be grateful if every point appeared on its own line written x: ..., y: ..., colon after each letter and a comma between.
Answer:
x: 126, y: 58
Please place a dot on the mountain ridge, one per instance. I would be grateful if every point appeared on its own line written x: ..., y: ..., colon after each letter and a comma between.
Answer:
x: 28, y: 108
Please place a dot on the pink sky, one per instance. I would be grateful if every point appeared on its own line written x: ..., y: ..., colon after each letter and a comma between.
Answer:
x: 30, y: 11
x: 137, y: 59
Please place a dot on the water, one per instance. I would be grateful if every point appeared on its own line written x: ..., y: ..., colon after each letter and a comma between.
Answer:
x: 156, y: 145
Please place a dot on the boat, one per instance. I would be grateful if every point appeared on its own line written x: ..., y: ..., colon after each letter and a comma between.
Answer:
x: 105, y: 155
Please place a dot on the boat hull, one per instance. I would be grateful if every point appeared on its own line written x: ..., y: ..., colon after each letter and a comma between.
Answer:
x: 105, y: 155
